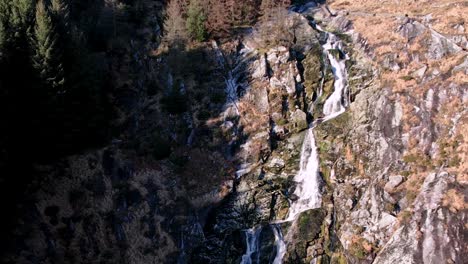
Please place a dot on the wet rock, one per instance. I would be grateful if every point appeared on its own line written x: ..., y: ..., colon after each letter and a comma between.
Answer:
x: 340, y: 23
x: 276, y: 164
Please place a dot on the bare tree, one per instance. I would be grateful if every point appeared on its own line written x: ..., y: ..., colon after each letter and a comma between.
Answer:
x: 274, y: 27
x: 174, y: 25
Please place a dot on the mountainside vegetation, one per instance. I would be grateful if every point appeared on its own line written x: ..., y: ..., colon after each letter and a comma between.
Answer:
x: 233, y: 131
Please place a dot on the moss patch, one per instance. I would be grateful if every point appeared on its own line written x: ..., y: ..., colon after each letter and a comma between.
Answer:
x: 309, y: 224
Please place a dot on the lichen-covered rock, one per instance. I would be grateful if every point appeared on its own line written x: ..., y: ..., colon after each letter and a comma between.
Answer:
x: 299, y: 121
x: 393, y: 182
x: 430, y: 234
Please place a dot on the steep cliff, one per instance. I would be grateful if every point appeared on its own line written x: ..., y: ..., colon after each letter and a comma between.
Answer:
x: 345, y: 142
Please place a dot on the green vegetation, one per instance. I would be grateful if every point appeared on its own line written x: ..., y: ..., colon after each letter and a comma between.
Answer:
x: 310, y: 223
x: 47, y: 59
x: 338, y: 54
x: 337, y: 127
x: 407, y: 78
x: 448, y: 153
x: 419, y: 160
x: 57, y: 77
x: 196, y: 20
x: 339, y: 259
x: 312, y: 65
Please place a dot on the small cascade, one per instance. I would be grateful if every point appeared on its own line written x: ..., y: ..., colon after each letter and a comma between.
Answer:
x: 233, y: 77
x: 280, y: 244
x: 252, y: 255
x: 308, y: 178
x: 336, y: 102
x: 182, y: 257
x: 231, y: 82
x: 308, y: 188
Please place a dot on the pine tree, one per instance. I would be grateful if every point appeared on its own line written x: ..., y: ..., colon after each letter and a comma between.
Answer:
x: 4, y: 16
x: 21, y: 14
x: 47, y: 59
x: 196, y: 20
x: 61, y: 13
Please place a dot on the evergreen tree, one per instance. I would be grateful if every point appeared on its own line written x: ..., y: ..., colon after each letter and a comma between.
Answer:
x: 47, y: 59
x: 21, y: 15
x: 196, y: 20
x: 3, y: 28
x: 61, y: 13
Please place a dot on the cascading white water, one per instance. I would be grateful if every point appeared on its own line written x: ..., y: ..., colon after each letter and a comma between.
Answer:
x: 251, y: 256
x: 307, y: 189
x: 280, y: 244
x: 336, y: 102
x: 308, y: 178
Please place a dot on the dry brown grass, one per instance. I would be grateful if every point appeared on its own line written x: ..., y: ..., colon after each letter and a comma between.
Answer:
x: 377, y: 22
x: 462, y: 150
x: 455, y: 201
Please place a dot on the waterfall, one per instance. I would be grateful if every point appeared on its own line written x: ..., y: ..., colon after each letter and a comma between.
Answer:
x: 308, y: 178
x: 307, y: 189
x: 336, y: 102
x: 280, y: 244
x: 252, y: 255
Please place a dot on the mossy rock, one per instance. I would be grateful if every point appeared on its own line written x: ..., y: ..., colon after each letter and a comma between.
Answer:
x: 309, y: 224
x: 298, y: 121
x: 338, y: 258
x: 338, y: 126
x: 312, y: 72
x: 338, y: 54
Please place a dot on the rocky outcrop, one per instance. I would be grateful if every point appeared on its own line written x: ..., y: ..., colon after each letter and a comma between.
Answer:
x: 215, y: 157
x: 432, y: 234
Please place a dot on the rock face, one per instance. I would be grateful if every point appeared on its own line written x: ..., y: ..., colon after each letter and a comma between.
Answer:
x: 193, y: 184
x: 432, y: 234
